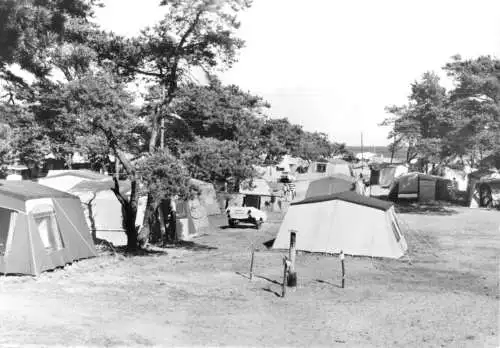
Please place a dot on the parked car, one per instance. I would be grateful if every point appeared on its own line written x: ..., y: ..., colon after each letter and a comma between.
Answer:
x: 249, y: 215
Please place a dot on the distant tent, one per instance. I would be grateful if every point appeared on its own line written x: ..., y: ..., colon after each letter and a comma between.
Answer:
x: 255, y: 187
x: 258, y: 193
x: 346, y: 221
x: 40, y: 229
x: 483, y: 188
x: 460, y: 177
x: 384, y: 175
x: 64, y: 180
x: 420, y: 186
x: 191, y: 218
x: 207, y: 197
x: 330, y: 185
x: 332, y: 167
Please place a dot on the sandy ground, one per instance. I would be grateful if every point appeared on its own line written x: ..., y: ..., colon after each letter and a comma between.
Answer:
x: 200, y: 295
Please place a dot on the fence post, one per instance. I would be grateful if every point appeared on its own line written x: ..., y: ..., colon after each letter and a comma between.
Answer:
x: 251, y: 263
x: 285, y: 276
x: 343, y: 268
x: 292, y: 274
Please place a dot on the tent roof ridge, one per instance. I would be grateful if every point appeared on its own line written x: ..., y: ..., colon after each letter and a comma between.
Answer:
x: 350, y: 197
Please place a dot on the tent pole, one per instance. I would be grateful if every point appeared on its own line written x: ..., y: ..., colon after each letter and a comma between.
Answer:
x: 74, y: 227
x: 31, y: 245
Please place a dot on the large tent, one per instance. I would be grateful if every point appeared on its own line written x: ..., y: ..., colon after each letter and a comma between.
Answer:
x: 348, y: 222
x: 420, y: 186
x: 40, y: 228
x: 102, y: 209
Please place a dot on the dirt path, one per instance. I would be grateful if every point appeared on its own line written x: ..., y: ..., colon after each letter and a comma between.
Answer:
x: 200, y: 295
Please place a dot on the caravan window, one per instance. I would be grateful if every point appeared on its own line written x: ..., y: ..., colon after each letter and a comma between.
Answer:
x: 7, y: 222
x: 321, y: 168
x: 46, y: 223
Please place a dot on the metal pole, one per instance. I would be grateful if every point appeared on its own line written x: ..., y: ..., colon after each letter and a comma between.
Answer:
x: 343, y: 268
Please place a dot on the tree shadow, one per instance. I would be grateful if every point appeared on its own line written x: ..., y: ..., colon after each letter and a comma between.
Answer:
x: 272, y: 292
x: 189, y: 245
x: 139, y: 252
x: 326, y: 282
x: 269, y: 244
x: 243, y: 275
x: 435, y: 208
x: 269, y: 280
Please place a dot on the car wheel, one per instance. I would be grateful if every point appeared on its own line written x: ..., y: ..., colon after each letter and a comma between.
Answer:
x: 232, y: 222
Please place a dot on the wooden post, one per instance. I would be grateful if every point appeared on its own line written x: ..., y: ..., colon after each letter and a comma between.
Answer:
x: 285, y: 276
x: 292, y: 275
x: 251, y: 263
x: 343, y: 268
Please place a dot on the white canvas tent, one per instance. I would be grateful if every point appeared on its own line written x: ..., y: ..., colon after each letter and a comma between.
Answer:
x: 346, y: 221
x: 102, y: 209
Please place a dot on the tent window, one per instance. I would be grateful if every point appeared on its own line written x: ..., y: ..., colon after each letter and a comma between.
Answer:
x: 321, y: 167
x: 50, y: 234
x: 7, y: 222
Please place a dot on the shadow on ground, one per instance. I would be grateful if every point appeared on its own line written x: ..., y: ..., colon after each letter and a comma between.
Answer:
x: 437, y: 208
x: 140, y: 252
x: 189, y: 245
x: 106, y: 247
x: 269, y: 244
x: 242, y: 227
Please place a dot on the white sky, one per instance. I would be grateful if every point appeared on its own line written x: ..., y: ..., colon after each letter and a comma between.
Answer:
x: 333, y: 66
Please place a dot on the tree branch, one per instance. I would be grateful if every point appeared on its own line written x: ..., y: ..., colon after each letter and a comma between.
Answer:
x: 140, y: 71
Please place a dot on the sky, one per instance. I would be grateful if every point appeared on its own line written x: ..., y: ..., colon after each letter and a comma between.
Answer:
x: 332, y: 66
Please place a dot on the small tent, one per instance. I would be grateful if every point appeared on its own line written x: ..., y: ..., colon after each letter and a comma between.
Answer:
x: 384, y: 175
x: 330, y: 185
x: 40, y: 228
x: 191, y: 217
x: 346, y: 221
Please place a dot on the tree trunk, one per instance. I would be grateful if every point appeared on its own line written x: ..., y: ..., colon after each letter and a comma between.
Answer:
x: 90, y: 209
x: 147, y: 223
x: 129, y: 213
x: 154, y: 139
